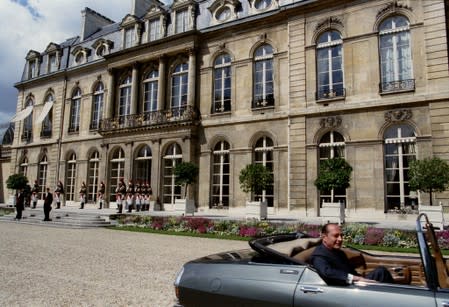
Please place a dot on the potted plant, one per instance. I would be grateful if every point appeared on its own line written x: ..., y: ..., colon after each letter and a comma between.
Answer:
x: 16, y: 182
x: 334, y: 174
x: 254, y: 179
x: 186, y: 174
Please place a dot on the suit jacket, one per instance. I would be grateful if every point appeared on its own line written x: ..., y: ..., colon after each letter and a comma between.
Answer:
x: 48, y: 199
x: 20, y: 199
x: 332, y: 265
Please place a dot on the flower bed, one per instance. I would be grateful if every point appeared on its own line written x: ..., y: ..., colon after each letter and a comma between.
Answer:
x: 353, y: 233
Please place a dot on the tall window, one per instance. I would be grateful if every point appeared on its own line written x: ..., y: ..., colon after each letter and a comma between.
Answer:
x: 180, y: 85
x: 23, y: 168
x: 395, y: 54
x: 182, y: 21
x: 28, y: 124
x: 42, y: 176
x: 129, y: 37
x: 117, y: 171
x: 332, y: 145
x: 142, y: 165
x: 150, y: 85
x: 263, y: 94
x: 330, y: 65
x: 155, y: 29
x: 172, y: 157
x: 70, y: 178
x: 400, y: 150
x: 263, y: 154
x: 222, y: 84
x: 52, y: 62
x: 124, y: 107
x: 75, y: 109
x: 47, y: 122
x: 32, y: 68
x: 92, y: 180
x: 97, y: 106
x: 220, y: 175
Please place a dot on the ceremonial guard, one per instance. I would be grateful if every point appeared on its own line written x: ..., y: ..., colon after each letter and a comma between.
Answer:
x: 120, y: 195
x: 101, y: 191
x: 83, y: 195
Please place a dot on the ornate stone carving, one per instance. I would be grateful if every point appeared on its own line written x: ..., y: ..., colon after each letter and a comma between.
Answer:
x: 392, y: 7
x: 330, y: 22
x: 330, y: 122
x: 398, y: 115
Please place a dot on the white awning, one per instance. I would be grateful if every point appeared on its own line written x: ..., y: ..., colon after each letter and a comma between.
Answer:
x: 22, y: 114
x: 45, y: 110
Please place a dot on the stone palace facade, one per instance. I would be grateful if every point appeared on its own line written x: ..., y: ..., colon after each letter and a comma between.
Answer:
x: 226, y: 83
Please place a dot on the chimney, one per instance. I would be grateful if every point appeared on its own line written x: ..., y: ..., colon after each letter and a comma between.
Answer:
x: 91, y: 22
x: 140, y: 7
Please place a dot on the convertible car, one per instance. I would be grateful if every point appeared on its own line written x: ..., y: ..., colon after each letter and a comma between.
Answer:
x: 276, y: 272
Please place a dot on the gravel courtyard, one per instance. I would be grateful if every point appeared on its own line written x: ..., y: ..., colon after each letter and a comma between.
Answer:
x: 43, y: 266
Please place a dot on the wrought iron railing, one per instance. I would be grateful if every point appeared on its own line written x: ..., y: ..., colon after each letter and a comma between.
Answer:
x: 331, y: 93
x: 397, y: 86
x: 147, y: 119
x: 262, y: 102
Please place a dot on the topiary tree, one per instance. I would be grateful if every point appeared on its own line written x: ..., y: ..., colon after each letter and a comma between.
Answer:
x: 429, y: 175
x: 186, y: 174
x: 16, y: 182
x: 333, y: 174
x: 254, y: 178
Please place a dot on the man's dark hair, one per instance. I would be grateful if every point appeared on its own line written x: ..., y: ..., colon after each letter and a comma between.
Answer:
x: 325, y: 228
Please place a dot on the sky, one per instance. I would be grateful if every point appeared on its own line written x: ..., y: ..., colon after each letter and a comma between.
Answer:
x: 31, y: 25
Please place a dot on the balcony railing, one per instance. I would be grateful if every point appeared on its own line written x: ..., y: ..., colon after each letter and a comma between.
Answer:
x: 331, y: 94
x: 149, y: 119
x: 263, y: 102
x: 46, y: 133
x: 397, y: 86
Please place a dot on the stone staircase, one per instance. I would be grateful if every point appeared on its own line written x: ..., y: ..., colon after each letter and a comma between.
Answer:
x: 60, y: 218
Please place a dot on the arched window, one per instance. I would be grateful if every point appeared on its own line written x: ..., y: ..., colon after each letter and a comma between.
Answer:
x: 23, y: 167
x: 222, y: 84
x: 179, y: 86
x: 48, y: 119
x: 263, y: 154
x: 399, y: 151
x: 75, y: 110
x: 263, y: 94
x: 42, y: 176
x: 150, y: 87
x: 92, y: 179
x: 220, y: 175
x: 70, y: 178
x: 124, y: 107
x: 329, y: 65
x: 117, y: 171
x: 332, y: 145
x: 395, y: 55
x: 27, y: 134
x: 142, y: 165
x: 172, y: 157
x: 97, y: 106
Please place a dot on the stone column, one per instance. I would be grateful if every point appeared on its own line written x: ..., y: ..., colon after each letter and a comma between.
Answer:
x: 109, y: 109
x: 134, y: 88
x: 162, y: 83
x: 192, y: 77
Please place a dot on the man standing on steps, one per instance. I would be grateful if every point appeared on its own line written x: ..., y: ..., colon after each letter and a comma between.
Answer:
x: 47, y: 204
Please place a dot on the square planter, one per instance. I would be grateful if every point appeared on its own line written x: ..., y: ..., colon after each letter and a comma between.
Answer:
x: 185, y: 206
x: 333, y: 212
x: 256, y: 210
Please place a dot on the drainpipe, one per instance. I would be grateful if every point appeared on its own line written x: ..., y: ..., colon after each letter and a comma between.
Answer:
x: 61, y: 129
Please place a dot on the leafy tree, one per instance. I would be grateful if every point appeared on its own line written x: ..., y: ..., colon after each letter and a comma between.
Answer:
x: 255, y: 178
x: 429, y: 175
x: 333, y: 174
x: 16, y: 182
x: 186, y: 174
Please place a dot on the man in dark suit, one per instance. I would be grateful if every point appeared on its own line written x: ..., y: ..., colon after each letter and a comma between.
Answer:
x: 20, y: 204
x: 47, y: 204
x: 333, y: 264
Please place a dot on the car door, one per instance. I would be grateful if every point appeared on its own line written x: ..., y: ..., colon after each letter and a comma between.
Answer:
x: 442, y: 298
x: 313, y: 291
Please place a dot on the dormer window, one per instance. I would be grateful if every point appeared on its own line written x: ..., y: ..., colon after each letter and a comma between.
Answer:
x: 262, y: 4
x: 181, y: 21
x: 129, y: 38
x: 154, y: 29
x: 223, y: 10
x: 101, y: 51
x: 258, y: 6
x: 102, y: 47
x: 32, y: 69
x: 53, y: 62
